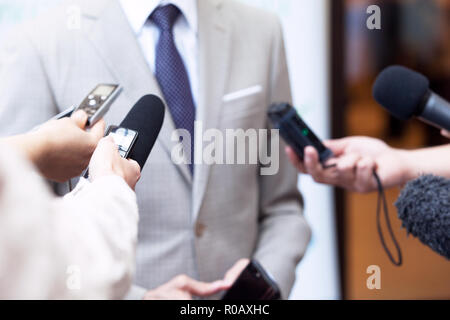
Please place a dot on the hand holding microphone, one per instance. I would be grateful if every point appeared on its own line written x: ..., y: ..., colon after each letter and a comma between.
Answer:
x: 134, y: 139
x: 355, y: 160
x: 365, y: 164
x: 106, y: 161
x: 405, y: 94
x: 349, y: 163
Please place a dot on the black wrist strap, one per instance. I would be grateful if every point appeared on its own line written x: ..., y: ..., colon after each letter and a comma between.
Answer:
x: 382, y: 203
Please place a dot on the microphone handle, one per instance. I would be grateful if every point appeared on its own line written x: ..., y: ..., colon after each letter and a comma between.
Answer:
x: 436, y: 112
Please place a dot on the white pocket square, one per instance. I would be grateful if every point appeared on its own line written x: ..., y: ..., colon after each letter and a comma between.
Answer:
x: 242, y: 93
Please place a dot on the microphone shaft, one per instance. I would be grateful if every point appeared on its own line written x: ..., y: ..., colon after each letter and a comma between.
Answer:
x: 436, y: 112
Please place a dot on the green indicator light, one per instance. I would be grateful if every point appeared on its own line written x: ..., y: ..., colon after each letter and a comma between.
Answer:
x: 305, y: 132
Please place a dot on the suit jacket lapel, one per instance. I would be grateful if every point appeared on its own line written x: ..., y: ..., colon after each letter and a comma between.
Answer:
x: 214, y: 55
x: 114, y: 39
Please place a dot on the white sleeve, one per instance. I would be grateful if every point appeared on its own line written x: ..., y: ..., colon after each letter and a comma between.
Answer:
x: 80, y: 246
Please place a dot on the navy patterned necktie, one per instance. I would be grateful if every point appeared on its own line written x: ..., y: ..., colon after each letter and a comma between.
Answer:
x: 172, y: 76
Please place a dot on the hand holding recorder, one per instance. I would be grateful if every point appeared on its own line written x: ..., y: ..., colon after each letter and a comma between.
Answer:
x: 60, y: 149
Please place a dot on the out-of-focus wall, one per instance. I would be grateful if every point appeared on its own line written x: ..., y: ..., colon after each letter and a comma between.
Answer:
x: 306, y: 31
x: 13, y: 12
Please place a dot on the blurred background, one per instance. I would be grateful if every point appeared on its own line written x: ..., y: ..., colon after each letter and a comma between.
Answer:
x: 415, y: 33
x: 333, y: 60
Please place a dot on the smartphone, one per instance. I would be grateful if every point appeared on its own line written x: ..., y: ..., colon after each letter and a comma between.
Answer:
x: 98, y: 101
x: 296, y: 132
x: 124, y: 138
x: 254, y: 283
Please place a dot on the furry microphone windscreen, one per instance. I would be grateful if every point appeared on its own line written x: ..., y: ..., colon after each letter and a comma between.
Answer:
x: 424, y: 208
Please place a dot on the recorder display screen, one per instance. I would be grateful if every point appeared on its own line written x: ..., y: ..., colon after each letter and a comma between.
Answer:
x: 124, y: 138
x: 104, y: 90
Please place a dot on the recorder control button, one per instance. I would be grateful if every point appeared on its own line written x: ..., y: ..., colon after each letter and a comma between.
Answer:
x: 92, y: 102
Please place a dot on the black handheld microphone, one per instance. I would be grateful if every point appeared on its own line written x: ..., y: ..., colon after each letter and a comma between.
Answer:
x: 296, y: 132
x: 146, y: 117
x: 424, y: 208
x: 298, y: 135
x: 406, y: 93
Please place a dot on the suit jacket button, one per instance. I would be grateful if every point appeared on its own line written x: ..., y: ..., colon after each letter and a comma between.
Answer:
x: 199, y: 229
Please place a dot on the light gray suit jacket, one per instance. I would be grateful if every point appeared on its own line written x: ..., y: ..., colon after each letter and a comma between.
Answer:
x: 201, y: 225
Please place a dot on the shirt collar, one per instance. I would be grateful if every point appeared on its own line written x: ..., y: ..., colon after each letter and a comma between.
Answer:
x: 138, y: 11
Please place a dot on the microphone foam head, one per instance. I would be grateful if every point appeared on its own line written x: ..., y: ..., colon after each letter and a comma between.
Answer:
x: 146, y: 117
x: 401, y: 91
x: 424, y: 208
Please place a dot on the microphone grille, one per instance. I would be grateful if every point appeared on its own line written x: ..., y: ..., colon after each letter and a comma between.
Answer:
x: 401, y: 91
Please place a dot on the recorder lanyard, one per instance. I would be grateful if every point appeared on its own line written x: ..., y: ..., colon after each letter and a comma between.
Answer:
x: 382, y: 205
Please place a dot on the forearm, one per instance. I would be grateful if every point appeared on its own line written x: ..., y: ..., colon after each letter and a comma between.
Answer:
x: 102, y: 236
x: 30, y: 145
x: 90, y: 235
x: 426, y: 161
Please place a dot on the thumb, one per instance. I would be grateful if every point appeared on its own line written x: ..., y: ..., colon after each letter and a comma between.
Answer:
x: 134, y: 164
x: 80, y: 118
x: 202, y: 289
x: 235, y: 271
x: 337, y: 146
x: 98, y: 130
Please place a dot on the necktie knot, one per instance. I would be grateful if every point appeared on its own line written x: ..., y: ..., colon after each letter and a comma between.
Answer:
x: 165, y: 16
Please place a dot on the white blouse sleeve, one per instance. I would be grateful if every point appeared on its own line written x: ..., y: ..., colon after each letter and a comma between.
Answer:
x: 81, y: 246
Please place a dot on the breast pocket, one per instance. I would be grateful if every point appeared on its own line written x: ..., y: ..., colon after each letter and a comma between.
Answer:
x: 246, y: 103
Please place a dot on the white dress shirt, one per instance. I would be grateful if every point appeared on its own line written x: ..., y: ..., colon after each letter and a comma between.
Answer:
x: 185, y: 33
x: 81, y: 246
